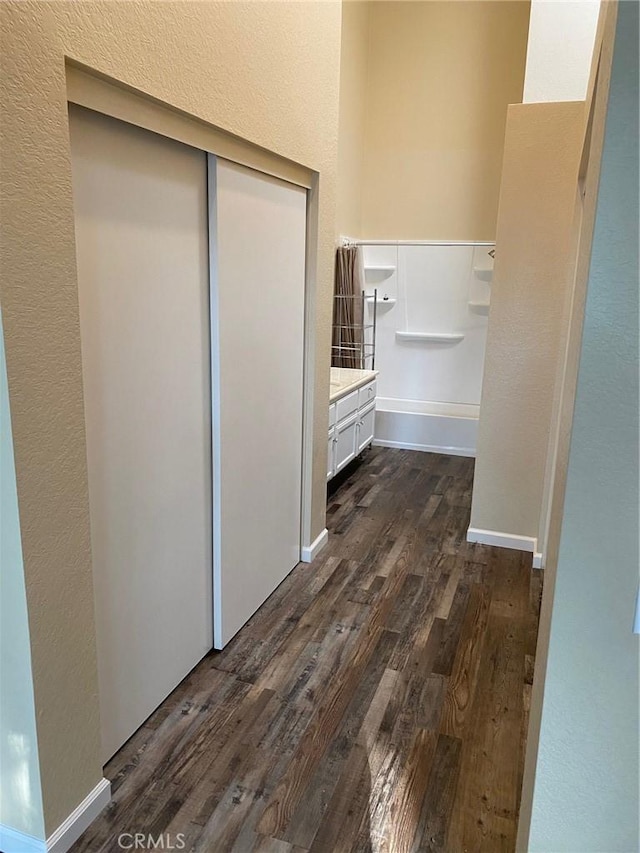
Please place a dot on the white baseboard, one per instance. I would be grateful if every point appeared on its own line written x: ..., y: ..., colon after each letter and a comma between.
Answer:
x: 80, y: 818
x: 12, y: 841
x: 310, y: 552
x: 538, y: 560
x: 503, y: 540
x: 426, y: 448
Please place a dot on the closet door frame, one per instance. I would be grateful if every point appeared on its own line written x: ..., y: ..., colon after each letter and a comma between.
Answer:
x: 95, y: 91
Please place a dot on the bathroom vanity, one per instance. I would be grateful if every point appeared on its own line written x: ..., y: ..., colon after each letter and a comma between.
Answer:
x: 352, y: 405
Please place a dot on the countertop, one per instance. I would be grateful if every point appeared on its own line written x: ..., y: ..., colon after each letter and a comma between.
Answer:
x: 346, y: 379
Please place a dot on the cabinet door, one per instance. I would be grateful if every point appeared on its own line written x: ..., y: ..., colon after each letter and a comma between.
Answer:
x: 331, y: 456
x: 366, y: 423
x: 346, y: 436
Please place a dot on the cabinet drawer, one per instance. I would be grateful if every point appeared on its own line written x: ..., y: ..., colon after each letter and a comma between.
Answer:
x: 345, y: 406
x: 366, y: 394
x: 332, y: 414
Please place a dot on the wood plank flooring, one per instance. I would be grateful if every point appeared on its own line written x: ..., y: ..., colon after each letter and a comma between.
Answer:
x: 376, y: 702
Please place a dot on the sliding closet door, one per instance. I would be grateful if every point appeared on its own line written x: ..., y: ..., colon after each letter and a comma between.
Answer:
x: 257, y: 234
x: 142, y: 250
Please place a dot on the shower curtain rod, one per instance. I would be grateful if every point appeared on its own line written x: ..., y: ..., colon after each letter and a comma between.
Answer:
x: 350, y: 241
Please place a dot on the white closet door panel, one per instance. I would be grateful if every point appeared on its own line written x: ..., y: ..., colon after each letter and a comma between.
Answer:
x: 257, y: 234
x: 142, y: 251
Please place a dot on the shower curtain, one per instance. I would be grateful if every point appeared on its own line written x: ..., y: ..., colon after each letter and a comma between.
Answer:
x: 348, y: 309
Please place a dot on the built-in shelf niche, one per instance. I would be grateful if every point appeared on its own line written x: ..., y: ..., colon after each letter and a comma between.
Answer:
x: 383, y: 270
x: 378, y: 274
x: 483, y: 273
x: 479, y: 307
x: 430, y: 337
x: 381, y: 301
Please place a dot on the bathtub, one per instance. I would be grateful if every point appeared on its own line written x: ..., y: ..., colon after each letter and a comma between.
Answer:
x: 432, y: 427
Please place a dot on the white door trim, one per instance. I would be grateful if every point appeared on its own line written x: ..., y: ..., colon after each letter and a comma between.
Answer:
x: 96, y: 91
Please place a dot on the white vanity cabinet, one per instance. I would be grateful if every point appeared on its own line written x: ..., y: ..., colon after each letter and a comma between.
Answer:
x: 351, y: 416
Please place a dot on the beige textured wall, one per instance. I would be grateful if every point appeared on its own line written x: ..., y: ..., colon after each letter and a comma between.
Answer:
x: 440, y: 77
x: 265, y: 71
x: 354, y: 66
x: 531, y: 276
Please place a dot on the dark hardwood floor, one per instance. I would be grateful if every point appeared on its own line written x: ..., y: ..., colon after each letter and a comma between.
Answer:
x: 377, y: 702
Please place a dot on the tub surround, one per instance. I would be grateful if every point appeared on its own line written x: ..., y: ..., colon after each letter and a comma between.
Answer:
x: 432, y: 427
x: 430, y: 341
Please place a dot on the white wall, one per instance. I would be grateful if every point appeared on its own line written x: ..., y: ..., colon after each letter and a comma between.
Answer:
x: 559, y: 51
x: 586, y: 785
x: 20, y: 801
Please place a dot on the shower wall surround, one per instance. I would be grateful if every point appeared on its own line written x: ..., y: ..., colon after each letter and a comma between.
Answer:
x: 432, y: 314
